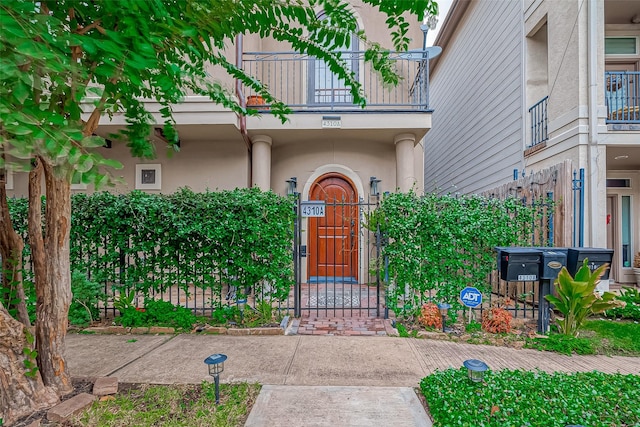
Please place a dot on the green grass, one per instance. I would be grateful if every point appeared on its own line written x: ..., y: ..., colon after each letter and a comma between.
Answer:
x: 173, y: 405
x: 533, y: 399
x: 610, y: 337
x: 616, y: 336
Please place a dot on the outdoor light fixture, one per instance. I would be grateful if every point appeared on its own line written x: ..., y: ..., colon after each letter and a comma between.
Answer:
x: 215, y: 362
x: 292, y: 184
x: 475, y: 369
x: 444, y: 309
x: 241, y: 304
x: 429, y: 22
x: 373, y: 182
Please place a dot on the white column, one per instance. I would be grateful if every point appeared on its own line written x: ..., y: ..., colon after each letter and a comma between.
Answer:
x: 405, y: 175
x: 261, y: 162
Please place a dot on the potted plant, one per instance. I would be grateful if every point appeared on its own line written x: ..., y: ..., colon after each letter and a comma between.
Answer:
x: 636, y: 268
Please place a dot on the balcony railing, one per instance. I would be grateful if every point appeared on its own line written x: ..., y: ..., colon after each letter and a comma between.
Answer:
x: 539, y: 119
x: 622, y: 96
x: 306, y: 84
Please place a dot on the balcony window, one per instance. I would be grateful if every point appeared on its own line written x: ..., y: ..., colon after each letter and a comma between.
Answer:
x: 324, y: 86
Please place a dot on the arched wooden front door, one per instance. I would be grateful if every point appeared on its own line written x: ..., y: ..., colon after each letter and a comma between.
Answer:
x: 333, y: 239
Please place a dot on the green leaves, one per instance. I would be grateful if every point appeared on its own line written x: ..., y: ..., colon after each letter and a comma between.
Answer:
x: 577, y: 298
x: 534, y: 399
x: 437, y: 245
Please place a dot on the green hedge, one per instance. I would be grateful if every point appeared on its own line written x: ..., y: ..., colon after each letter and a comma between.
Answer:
x: 149, y: 242
x: 437, y: 245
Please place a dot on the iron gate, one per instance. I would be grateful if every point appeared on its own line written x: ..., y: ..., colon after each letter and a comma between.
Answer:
x: 335, y: 259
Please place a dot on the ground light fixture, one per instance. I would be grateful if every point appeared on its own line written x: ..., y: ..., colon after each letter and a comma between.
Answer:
x: 475, y: 369
x: 215, y: 363
x: 444, y: 309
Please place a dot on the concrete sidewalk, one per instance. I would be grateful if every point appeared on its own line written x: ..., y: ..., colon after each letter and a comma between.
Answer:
x: 337, y: 375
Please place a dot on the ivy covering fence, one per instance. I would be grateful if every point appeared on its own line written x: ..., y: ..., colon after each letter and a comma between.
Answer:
x: 148, y: 243
x: 436, y: 245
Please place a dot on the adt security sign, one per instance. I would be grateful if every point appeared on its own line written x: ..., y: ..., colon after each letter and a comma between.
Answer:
x: 471, y: 297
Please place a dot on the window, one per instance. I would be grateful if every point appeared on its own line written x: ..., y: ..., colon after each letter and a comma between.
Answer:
x: 621, y: 45
x: 148, y: 177
x: 324, y: 86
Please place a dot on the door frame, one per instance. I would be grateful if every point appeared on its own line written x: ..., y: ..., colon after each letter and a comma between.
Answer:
x: 355, y: 180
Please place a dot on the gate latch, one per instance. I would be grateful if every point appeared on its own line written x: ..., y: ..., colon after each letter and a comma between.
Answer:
x: 303, y: 251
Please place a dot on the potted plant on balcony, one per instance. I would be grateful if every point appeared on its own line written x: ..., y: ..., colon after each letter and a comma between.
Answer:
x: 256, y: 101
x: 636, y: 268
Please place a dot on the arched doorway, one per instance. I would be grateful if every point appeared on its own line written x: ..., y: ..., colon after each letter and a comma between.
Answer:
x: 333, y: 239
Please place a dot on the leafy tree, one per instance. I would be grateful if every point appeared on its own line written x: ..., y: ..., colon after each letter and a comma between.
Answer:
x: 66, y: 63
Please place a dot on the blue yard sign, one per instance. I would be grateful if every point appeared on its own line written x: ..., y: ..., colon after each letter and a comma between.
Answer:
x: 471, y: 297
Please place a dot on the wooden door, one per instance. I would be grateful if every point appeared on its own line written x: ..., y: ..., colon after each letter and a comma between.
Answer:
x: 333, y: 239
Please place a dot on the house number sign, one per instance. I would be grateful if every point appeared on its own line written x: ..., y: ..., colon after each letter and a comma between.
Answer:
x: 312, y: 208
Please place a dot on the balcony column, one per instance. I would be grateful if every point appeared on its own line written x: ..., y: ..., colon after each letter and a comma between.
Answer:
x: 405, y: 175
x: 261, y: 162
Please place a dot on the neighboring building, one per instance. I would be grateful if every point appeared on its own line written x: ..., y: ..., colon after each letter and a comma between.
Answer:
x: 328, y: 149
x: 524, y: 86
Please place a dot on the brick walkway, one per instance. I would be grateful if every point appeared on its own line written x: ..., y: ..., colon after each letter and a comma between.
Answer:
x: 346, y: 326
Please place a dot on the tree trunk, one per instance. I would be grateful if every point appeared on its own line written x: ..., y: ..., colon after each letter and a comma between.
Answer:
x: 52, y: 270
x: 11, y: 246
x: 20, y: 394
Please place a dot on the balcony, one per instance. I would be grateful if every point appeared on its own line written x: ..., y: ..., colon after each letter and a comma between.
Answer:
x: 539, y: 119
x: 305, y: 83
x: 622, y: 96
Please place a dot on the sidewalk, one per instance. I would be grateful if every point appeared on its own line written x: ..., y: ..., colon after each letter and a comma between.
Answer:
x: 333, y: 375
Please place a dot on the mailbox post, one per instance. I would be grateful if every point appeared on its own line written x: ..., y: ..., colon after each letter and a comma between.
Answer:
x: 553, y: 259
x: 533, y: 264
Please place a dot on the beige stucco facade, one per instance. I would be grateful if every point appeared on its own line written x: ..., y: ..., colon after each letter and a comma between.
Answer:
x: 553, y: 52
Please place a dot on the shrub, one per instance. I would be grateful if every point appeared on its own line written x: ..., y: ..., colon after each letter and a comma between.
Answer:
x: 577, y: 298
x: 157, y: 312
x: 430, y: 316
x: 631, y: 310
x: 86, y: 296
x: 496, y: 320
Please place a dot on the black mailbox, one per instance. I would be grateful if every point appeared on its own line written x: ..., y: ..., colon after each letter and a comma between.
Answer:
x: 595, y: 256
x: 519, y: 264
x: 553, y: 259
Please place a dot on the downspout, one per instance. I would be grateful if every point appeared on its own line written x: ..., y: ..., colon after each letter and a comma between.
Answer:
x: 242, y: 119
x: 592, y: 148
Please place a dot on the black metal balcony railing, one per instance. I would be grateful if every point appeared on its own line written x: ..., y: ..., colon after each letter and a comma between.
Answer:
x: 622, y: 96
x: 305, y: 83
x: 539, y: 120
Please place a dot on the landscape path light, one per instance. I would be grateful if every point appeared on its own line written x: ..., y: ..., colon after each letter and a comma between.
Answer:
x: 215, y: 363
x: 444, y: 309
x: 475, y: 369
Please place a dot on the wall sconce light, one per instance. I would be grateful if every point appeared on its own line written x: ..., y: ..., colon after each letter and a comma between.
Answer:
x: 373, y: 182
x: 292, y: 184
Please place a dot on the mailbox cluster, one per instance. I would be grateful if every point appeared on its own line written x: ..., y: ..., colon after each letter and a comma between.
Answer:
x: 518, y: 264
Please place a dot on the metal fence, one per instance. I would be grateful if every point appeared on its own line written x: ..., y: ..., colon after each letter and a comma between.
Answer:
x: 336, y: 269
x: 622, y: 96
x: 539, y: 120
x: 305, y: 83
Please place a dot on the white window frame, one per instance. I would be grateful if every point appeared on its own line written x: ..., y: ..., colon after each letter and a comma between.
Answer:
x: 623, y: 55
